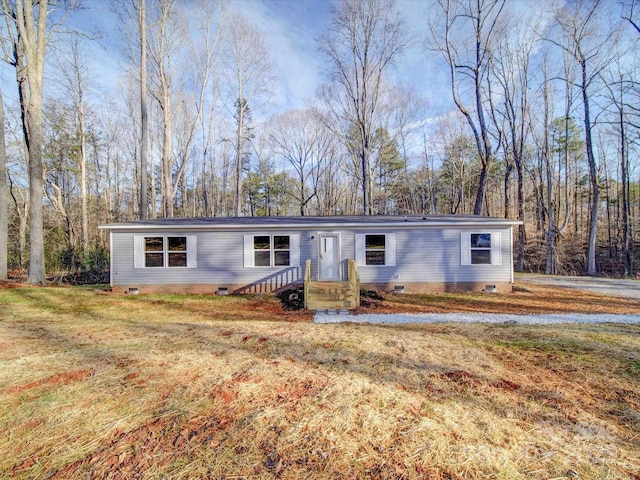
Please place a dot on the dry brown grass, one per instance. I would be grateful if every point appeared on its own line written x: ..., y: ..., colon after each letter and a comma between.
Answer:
x: 527, y: 298
x: 107, y: 386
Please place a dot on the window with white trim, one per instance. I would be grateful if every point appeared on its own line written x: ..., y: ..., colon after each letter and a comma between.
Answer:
x: 271, y: 250
x: 177, y: 251
x: 165, y: 251
x: 376, y: 249
x: 154, y: 251
x: 481, y: 248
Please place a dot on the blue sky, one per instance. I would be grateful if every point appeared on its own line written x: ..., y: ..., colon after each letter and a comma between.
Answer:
x: 291, y: 28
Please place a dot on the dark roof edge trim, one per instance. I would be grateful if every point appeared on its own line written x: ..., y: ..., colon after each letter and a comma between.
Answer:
x: 312, y: 226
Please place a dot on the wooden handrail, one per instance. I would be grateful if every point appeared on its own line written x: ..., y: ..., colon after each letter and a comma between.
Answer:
x: 307, y: 271
x: 307, y: 280
x: 354, y: 278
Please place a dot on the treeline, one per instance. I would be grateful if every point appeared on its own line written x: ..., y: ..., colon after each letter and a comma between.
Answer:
x: 544, y: 126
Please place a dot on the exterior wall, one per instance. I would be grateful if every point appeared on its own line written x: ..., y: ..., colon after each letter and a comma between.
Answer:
x: 434, y: 256
x: 426, y: 260
x: 220, y: 258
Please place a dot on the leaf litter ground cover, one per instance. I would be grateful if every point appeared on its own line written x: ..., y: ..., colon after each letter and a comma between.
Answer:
x: 111, y: 386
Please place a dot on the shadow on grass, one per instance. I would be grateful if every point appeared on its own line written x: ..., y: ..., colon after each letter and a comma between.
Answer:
x: 343, y: 354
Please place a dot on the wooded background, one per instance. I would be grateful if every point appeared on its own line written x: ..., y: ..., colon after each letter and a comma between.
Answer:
x: 544, y: 126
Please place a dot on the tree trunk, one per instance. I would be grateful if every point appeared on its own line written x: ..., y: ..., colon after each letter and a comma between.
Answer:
x: 144, y: 129
x: 627, y: 245
x: 522, y: 232
x: 506, y: 185
x: 22, y: 212
x: 167, y: 154
x: 593, y: 177
x: 29, y: 45
x: 4, y: 198
x: 239, y: 154
x: 37, y: 272
x: 83, y: 177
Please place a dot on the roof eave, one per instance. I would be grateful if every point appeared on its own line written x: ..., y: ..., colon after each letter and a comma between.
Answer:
x: 465, y: 223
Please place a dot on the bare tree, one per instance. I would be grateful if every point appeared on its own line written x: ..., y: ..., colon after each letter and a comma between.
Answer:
x: 76, y: 69
x: 630, y: 15
x: 193, y: 106
x: 248, y: 75
x: 163, y: 52
x: 21, y: 209
x: 589, y: 42
x: 457, y: 152
x: 25, y: 50
x: 511, y: 68
x: 206, y: 63
x: 365, y: 39
x: 4, y: 198
x: 551, y: 137
x: 619, y: 89
x: 301, y: 140
x: 464, y: 34
x: 144, y: 127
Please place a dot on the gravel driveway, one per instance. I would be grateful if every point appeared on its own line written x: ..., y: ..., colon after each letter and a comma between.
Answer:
x: 605, y: 286
x: 616, y: 287
x: 505, y: 319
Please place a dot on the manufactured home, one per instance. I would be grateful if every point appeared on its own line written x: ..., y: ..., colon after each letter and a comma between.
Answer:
x: 415, y: 253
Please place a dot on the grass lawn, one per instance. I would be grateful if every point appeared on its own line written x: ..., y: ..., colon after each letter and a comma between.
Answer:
x: 102, y: 386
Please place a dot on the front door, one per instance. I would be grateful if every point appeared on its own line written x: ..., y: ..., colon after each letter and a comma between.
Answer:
x: 329, y: 261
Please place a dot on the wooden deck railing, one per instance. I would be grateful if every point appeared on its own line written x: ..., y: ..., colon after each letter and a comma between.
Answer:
x: 354, y: 278
x: 307, y: 280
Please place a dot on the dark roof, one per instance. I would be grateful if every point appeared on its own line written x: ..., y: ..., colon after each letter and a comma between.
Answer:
x: 310, y: 222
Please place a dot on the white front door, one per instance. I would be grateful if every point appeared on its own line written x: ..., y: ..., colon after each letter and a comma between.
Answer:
x: 329, y: 261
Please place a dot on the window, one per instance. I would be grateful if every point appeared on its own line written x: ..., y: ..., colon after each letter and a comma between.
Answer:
x: 177, y: 251
x: 281, y: 250
x: 481, y: 249
x: 262, y: 251
x: 161, y: 251
x: 154, y: 252
x: 271, y: 250
x: 376, y: 249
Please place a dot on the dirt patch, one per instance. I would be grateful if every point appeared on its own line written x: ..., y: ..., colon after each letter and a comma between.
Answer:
x: 52, y: 380
x: 156, y: 444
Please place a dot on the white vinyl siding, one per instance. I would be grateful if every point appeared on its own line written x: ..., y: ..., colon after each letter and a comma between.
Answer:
x: 389, y: 249
x: 272, y: 250
x: 139, y: 251
x: 494, y: 249
x: 422, y: 255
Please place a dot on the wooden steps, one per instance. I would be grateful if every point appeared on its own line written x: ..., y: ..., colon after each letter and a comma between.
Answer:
x: 330, y: 295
